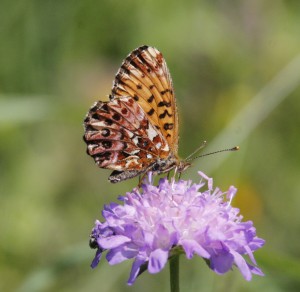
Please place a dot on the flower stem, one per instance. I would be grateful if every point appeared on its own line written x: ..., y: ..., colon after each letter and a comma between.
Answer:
x: 174, y: 273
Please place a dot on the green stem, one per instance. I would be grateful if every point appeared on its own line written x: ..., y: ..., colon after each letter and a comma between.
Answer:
x: 174, y: 273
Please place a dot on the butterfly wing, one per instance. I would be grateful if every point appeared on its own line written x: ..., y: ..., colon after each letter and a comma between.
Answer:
x: 120, y: 137
x: 145, y: 77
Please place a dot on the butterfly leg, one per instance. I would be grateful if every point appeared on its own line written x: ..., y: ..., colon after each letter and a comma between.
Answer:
x: 174, y: 176
x: 141, y: 179
x: 179, y: 175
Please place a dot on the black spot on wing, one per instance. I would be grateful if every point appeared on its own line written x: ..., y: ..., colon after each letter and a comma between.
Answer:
x: 150, y: 112
x: 108, y: 122
x: 125, y: 70
x: 168, y: 126
x: 105, y: 107
x: 105, y: 132
x: 106, y: 144
x: 164, y: 114
x: 164, y: 103
x: 116, y: 117
x: 150, y: 99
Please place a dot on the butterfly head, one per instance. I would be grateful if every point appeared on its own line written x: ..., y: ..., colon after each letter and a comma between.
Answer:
x: 166, y: 165
x: 183, y: 165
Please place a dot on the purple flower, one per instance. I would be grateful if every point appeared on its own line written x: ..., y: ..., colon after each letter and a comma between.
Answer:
x: 176, y: 217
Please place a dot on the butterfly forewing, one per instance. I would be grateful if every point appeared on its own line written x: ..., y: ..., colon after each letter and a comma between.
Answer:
x: 145, y: 77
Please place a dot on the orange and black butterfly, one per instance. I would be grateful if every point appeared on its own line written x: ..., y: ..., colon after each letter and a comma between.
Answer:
x: 136, y: 131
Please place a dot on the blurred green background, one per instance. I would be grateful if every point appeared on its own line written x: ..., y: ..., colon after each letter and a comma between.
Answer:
x: 236, y: 71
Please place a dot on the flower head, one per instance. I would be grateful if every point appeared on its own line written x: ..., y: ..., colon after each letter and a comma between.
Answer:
x: 195, y: 219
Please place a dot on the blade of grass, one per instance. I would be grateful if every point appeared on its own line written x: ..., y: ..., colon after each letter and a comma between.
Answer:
x: 257, y: 109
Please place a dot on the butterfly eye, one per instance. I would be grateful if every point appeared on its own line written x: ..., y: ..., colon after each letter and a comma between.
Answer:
x: 160, y: 165
x: 155, y: 167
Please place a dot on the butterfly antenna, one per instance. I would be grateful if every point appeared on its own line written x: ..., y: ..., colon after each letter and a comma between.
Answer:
x: 223, y: 150
x: 203, y: 144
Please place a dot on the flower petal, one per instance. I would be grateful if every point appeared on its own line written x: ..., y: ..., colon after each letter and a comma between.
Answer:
x: 135, y: 270
x: 120, y: 254
x: 242, y: 265
x: 113, y: 241
x: 221, y: 262
x: 191, y: 246
x: 256, y: 270
x: 97, y: 258
x: 157, y: 260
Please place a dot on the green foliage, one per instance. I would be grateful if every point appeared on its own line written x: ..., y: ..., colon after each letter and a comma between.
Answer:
x: 58, y: 57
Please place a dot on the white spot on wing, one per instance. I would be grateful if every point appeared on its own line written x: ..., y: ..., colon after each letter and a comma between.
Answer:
x: 151, y: 133
x: 135, y: 140
x: 166, y: 148
x: 131, y: 161
x: 98, y: 124
x: 129, y: 133
x: 117, y: 167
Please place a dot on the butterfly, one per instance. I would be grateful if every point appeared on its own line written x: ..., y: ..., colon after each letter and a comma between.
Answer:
x: 136, y: 131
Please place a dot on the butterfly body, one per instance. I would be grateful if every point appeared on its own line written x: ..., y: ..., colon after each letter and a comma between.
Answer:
x: 136, y: 131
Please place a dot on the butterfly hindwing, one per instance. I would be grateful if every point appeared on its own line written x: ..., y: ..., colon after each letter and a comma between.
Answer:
x: 120, y: 136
